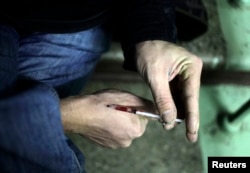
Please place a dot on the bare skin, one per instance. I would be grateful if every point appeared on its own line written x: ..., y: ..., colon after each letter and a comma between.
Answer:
x: 172, y: 73
x: 161, y: 63
x: 89, y: 116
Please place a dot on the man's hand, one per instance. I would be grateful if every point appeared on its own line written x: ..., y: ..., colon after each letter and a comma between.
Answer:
x: 90, y: 117
x: 173, y: 75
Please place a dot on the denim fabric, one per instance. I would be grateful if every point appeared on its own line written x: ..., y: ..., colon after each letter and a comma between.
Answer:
x: 35, y: 71
x: 8, y: 54
x: 62, y: 60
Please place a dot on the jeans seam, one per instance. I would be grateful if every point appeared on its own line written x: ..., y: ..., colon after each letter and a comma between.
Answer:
x: 78, y: 165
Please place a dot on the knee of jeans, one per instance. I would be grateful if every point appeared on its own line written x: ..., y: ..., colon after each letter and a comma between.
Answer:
x: 28, y: 104
x: 28, y: 93
x: 32, y: 117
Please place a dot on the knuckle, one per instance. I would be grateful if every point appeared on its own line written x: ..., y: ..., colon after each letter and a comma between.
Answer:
x: 164, y: 103
x: 137, y: 131
x: 140, y: 132
x: 198, y: 61
x: 126, y: 144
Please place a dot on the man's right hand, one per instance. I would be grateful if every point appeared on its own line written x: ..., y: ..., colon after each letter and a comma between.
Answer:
x: 173, y: 74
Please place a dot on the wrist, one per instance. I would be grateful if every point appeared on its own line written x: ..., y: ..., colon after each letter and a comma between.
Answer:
x: 71, y: 113
x: 66, y: 107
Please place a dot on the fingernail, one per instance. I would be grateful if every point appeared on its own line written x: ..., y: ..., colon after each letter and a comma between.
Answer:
x: 168, y: 119
x: 193, y: 139
x: 168, y: 127
x: 193, y: 136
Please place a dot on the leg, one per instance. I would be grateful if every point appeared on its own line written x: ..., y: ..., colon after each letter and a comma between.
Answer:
x: 31, y: 134
x: 65, y: 61
x: 32, y: 137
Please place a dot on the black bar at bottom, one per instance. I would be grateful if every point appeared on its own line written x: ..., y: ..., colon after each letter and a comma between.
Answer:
x: 233, y: 164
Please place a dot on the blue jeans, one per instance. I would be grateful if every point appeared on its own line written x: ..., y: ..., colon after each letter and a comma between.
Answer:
x: 36, y: 70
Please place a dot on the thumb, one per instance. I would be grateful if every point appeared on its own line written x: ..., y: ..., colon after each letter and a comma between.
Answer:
x: 164, y: 100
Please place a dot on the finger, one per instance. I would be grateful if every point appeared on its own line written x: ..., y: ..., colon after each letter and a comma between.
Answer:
x: 191, y: 98
x: 143, y: 125
x: 163, y: 99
